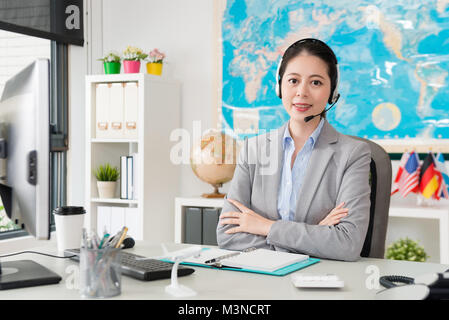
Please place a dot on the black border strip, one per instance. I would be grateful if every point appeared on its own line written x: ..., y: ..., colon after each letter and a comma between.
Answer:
x: 41, y: 34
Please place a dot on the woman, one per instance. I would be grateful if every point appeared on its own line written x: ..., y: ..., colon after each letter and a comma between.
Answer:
x: 290, y: 186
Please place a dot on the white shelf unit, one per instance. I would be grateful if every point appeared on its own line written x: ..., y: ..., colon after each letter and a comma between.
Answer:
x: 440, y: 214
x: 159, y: 104
x: 412, y: 212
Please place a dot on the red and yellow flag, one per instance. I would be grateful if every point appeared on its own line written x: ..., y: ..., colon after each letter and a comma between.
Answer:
x: 429, y: 180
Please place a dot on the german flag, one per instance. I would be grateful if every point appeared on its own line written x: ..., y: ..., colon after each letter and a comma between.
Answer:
x: 428, y: 177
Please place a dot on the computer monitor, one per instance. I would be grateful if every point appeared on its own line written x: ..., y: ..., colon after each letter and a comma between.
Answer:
x: 25, y: 130
x: 25, y: 165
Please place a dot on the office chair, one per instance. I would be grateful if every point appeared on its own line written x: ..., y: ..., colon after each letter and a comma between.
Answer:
x: 380, y: 181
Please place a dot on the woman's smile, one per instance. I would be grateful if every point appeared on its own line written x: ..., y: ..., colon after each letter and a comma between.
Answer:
x: 302, y: 107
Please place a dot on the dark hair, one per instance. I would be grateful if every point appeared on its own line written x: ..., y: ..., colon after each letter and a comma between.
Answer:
x: 313, y: 47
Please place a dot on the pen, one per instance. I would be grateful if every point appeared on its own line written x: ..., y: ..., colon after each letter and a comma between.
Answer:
x: 84, y: 239
x: 105, y: 239
x: 222, y: 257
x: 113, y: 241
x: 119, y: 243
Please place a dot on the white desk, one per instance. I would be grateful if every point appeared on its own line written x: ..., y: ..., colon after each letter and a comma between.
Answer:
x: 225, y: 285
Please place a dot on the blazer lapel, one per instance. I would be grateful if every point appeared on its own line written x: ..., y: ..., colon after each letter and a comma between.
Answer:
x: 271, y: 174
x: 319, y: 160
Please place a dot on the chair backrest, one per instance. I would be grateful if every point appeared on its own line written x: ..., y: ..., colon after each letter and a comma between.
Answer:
x: 380, y: 181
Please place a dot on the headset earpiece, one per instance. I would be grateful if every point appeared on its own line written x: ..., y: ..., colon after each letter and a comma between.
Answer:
x: 278, y: 79
x: 335, y: 95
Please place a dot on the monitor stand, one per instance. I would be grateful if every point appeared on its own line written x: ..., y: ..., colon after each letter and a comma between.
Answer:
x: 25, y: 273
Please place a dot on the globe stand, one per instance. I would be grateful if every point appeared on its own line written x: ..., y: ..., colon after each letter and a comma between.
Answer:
x: 216, y: 193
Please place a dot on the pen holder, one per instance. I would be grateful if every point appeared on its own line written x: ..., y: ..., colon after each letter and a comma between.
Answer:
x: 100, y: 272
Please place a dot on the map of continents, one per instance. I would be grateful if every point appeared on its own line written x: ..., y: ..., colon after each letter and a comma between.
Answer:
x: 393, y: 61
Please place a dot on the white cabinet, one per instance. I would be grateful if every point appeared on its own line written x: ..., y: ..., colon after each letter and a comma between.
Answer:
x: 140, y: 111
x: 440, y: 214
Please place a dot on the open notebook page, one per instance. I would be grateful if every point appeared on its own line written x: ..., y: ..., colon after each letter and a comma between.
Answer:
x: 264, y: 260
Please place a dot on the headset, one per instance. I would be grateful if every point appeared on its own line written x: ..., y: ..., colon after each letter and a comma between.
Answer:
x: 334, y: 96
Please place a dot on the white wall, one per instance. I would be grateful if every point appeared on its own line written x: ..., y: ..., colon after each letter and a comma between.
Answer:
x: 181, y: 29
x: 184, y: 31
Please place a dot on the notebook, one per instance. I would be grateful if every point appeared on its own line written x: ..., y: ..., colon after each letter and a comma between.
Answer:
x: 263, y: 260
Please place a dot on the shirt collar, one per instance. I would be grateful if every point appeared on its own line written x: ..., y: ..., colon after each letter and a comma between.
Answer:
x: 287, y: 138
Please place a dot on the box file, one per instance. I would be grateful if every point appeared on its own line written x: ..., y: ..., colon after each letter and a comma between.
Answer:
x: 130, y: 107
x: 193, y: 225
x: 116, y: 110
x: 102, y: 125
x: 210, y: 221
x: 123, y: 179
x: 129, y: 176
x: 135, y: 175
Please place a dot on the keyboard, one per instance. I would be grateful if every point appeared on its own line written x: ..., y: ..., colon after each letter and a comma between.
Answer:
x: 145, y: 270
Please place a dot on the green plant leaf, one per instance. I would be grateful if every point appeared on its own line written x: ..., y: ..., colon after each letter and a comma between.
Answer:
x: 107, y: 173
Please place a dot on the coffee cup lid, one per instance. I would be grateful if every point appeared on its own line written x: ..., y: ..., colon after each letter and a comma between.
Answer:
x: 68, y: 211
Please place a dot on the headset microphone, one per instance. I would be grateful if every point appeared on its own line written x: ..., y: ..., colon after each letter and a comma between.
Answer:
x: 308, y: 118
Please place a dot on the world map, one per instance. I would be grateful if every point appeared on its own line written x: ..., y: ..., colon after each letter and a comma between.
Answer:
x: 393, y: 60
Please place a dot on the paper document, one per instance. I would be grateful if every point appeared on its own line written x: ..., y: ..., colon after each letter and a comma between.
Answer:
x: 258, y: 259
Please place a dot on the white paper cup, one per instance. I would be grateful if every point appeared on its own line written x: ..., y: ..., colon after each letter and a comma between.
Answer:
x: 69, y: 227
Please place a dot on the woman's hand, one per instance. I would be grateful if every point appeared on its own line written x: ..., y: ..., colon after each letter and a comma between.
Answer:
x: 247, y: 220
x: 335, y: 216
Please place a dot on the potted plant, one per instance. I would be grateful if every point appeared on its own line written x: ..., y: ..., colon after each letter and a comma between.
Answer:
x: 406, y: 249
x: 155, y: 61
x: 107, y: 177
x: 131, y: 59
x: 111, y: 63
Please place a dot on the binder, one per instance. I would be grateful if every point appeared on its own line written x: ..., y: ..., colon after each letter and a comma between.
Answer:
x: 102, y: 125
x: 135, y: 176
x: 210, y: 221
x: 303, y: 261
x: 129, y: 176
x: 131, y: 104
x: 193, y: 225
x: 116, y: 110
x: 123, y: 177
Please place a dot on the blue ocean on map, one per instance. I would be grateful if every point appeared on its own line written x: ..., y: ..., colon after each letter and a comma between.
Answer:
x: 393, y: 60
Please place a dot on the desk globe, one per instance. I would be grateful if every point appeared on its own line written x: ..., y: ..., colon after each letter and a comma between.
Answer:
x: 213, y: 160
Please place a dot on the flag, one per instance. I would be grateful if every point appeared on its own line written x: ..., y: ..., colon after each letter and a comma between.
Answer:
x: 428, y: 178
x: 404, y: 159
x: 409, y: 180
x: 443, y: 190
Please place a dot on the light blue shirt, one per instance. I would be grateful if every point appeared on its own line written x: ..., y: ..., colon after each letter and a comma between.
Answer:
x: 292, y: 178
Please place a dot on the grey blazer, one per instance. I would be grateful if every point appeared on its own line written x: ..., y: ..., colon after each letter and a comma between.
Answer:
x: 338, y: 170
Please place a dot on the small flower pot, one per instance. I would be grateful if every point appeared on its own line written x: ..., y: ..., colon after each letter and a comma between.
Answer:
x: 131, y: 66
x: 106, y: 189
x: 154, y: 68
x: 112, y: 67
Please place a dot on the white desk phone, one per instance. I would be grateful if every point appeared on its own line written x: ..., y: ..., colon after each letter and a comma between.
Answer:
x: 430, y: 286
